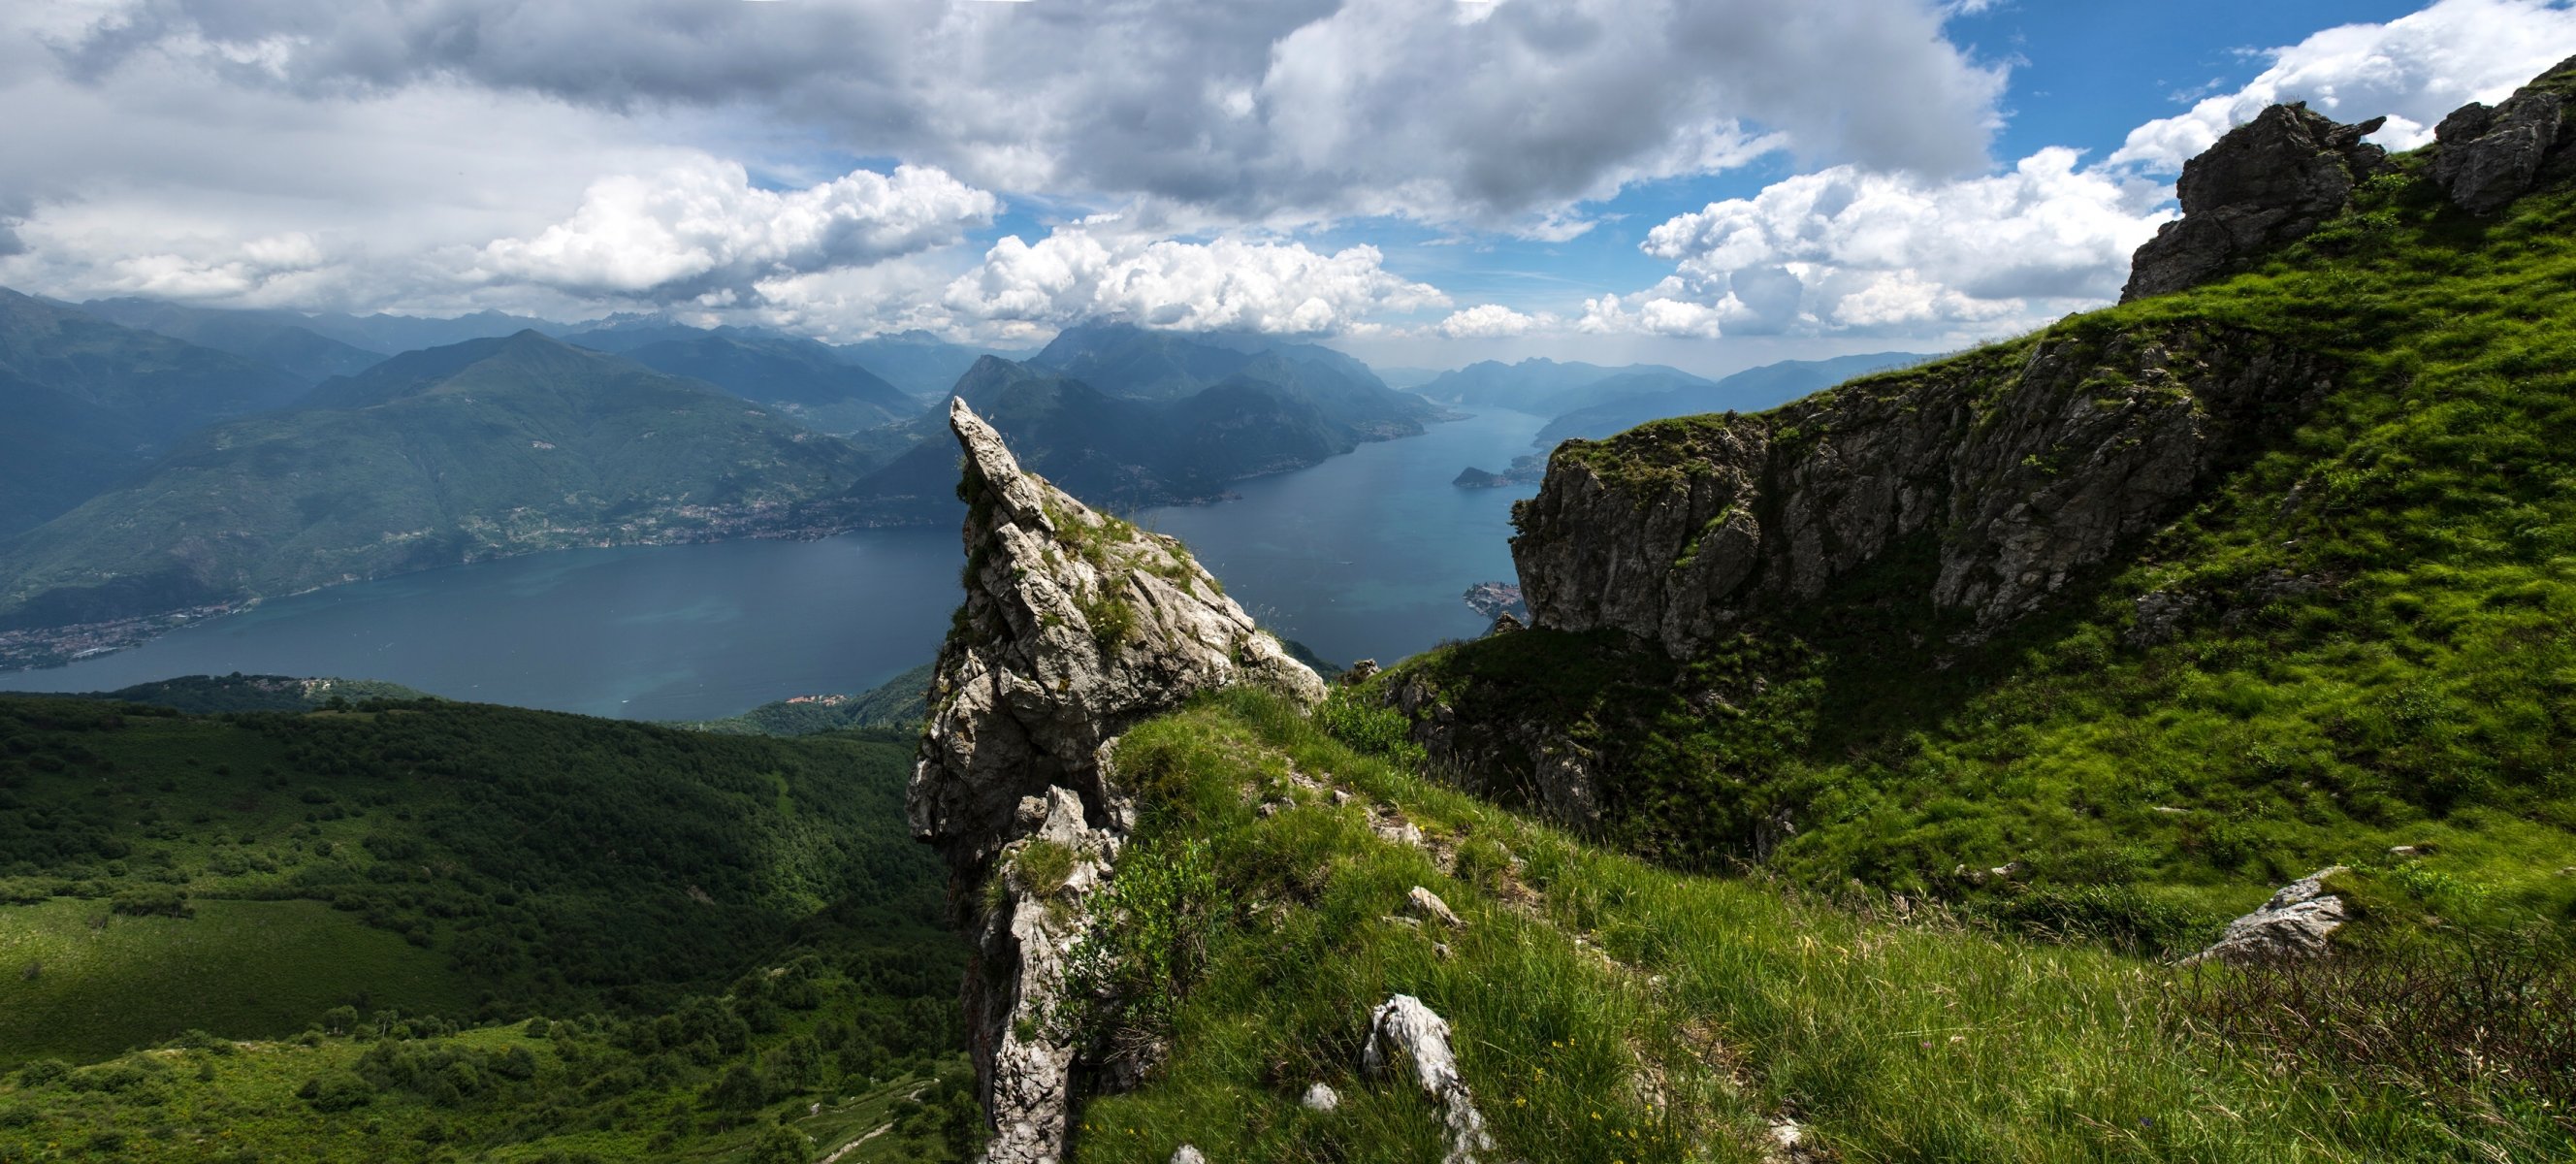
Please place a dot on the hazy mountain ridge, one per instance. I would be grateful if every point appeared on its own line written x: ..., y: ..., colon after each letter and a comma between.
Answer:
x: 1126, y: 418
x: 89, y: 401
x: 277, y: 338
x: 492, y: 447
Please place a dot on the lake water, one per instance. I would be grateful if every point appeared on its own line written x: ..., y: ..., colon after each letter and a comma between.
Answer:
x: 1365, y: 555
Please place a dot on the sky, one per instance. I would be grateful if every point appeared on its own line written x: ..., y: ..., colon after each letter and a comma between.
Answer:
x: 1707, y: 183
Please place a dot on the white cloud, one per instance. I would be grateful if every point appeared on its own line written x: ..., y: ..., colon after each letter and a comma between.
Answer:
x: 1224, y: 285
x: 2413, y: 69
x: 1491, y: 321
x: 1842, y: 249
x: 702, y: 229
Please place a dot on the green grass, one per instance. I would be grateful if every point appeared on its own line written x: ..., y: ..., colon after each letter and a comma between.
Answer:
x: 1607, y: 1010
x: 105, y: 981
x: 2418, y: 685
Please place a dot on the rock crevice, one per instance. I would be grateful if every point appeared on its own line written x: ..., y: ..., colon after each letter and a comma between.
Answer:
x: 1075, y: 627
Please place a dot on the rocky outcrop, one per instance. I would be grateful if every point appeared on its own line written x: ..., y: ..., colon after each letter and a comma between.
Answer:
x: 1404, y: 1026
x: 2294, y: 925
x: 1075, y: 627
x: 2487, y: 157
x: 2016, y: 469
x: 2266, y: 183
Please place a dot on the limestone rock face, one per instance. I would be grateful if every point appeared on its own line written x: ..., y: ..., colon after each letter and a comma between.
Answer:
x: 1075, y: 627
x: 2294, y: 925
x: 2267, y: 182
x: 2490, y: 156
x: 2015, y: 473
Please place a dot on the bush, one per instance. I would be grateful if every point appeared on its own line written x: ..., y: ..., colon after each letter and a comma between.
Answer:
x: 335, y: 1091
x: 1148, y: 944
x: 151, y: 901
x: 1350, y: 715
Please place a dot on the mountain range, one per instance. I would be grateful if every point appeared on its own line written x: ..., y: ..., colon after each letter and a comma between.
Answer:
x: 1127, y: 417
x: 89, y: 402
x: 453, y: 454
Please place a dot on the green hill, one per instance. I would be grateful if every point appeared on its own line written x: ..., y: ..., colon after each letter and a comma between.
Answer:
x: 895, y: 707
x: 239, y: 692
x: 331, y: 911
x: 2350, y: 635
x: 480, y: 450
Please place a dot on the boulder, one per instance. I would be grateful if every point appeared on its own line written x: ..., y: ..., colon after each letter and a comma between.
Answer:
x: 2293, y: 926
x: 2266, y: 183
x: 2487, y: 157
x: 1075, y: 627
x: 1320, y: 1098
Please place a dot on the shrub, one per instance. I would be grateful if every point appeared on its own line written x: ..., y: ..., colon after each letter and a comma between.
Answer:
x: 1148, y: 943
x: 1350, y: 715
x: 151, y: 901
x: 335, y: 1091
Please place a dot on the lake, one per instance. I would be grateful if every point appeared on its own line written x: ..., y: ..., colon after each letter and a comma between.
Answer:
x: 1365, y: 555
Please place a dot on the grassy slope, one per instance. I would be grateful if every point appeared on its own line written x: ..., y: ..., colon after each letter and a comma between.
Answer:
x: 1609, y: 1010
x: 2421, y: 695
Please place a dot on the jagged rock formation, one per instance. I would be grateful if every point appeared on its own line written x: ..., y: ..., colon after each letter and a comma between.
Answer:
x: 2490, y: 156
x: 1404, y: 1026
x: 2267, y: 182
x: 2295, y: 924
x: 2022, y: 467
x: 1075, y: 626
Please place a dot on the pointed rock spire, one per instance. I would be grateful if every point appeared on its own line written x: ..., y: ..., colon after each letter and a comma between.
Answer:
x: 1076, y: 626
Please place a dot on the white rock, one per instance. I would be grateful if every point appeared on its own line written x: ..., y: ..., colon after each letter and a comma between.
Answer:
x: 2294, y: 925
x: 1428, y: 906
x: 1403, y: 1025
x: 1320, y: 1098
x: 1027, y: 704
x: 1188, y: 1154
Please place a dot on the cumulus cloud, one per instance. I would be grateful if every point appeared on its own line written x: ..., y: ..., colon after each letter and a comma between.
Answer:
x: 2413, y: 69
x: 1224, y: 285
x: 1491, y: 321
x: 702, y: 230
x: 1843, y: 249
x: 1293, y: 111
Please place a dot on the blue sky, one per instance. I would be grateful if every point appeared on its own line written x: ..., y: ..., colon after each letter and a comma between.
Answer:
x: 1711, y: 183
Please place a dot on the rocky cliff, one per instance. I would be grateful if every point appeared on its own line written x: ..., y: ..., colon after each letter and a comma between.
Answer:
x: 1075, y: 626
x: 2267, y: 182
x: 2021, y: 465
x: 2275, y: 179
